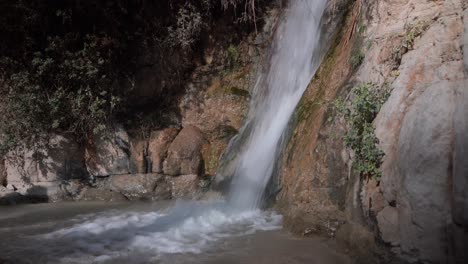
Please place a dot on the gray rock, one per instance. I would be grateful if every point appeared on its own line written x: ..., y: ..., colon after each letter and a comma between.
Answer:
x: 424, y: 159
x: 387, y: 221
x: 61, y: 160
x: 100, y: 194
x: 2, y: 172
x: 141, y: 186
x: 184, y: 154
x: 185, y: 186
x: 109, y: 154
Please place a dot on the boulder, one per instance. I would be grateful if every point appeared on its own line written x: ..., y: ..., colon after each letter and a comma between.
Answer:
x: 21, y: 169
x: 99, y: 194
x: 424, y: 161
x: 138, y: 154
x: 61, y: 160
x: 387, y: 221
x: 157, y: 147
x: 141, y: 186
x: 185, y: 186
x: 109, y: 154
x: 184, y: 154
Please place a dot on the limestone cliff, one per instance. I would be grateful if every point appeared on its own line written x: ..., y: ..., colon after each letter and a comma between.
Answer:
x: 415, y: 50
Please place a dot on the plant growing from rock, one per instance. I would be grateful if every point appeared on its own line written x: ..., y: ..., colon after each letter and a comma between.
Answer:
x: 407, y: 43
x: 359, y: 113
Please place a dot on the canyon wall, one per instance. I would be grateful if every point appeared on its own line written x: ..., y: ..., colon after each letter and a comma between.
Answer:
x: 416, y: 51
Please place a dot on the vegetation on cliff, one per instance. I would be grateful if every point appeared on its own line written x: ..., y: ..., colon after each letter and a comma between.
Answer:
x: 70, y: 66
x: 359, y: 114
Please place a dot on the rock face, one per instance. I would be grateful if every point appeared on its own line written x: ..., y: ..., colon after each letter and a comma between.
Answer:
x: 138, y: 156
x: 417, y: 127
x: 40, y: 172
x: 185, y: 186
x: 158, y: 145
x: 2, y: 172
x: 418, y: 207
x: 141, y: 186
x: 109, y: 154
x: 184, y: 154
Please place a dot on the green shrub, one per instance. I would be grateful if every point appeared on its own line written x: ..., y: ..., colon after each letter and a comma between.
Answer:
x: 69, y: 66
x: 359, y: 115
x: 60, y: 90
x: 356, y: 59
x: 232, y: 57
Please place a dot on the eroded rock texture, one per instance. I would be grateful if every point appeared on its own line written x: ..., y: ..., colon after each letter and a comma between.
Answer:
x: 417, y: 49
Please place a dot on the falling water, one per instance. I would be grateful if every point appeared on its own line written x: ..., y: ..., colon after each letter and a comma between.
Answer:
x: 295, y: 57
x: 128, y: 236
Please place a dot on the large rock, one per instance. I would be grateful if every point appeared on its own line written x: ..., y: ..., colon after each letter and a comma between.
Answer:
x: 157, y: 147
x: 387, y: 221
x: 138, y: 155
x: 40, y: 170
x: 109, y: 154
x: 460, y: 166
x: 2, y: 172
x: 141, y: 186
x: 184, y: 154
x: 424, y: 161
x: 185, y: 186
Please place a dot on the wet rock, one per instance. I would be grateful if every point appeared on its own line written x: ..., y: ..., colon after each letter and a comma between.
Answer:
x: 100, y: 191
x: 359, y: 240
x: 184, y: 154
x: 109, y: 154
x: 101, y: 194
x: 141, y: 186
x: 73, y: 188
x: 387, y: 221
x: 158, y: 145
x: 185, y: 186
x: 10, y: 197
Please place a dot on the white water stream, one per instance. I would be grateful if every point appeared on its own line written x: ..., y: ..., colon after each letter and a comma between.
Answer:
x: 295, y: 57
x: 193, y: 228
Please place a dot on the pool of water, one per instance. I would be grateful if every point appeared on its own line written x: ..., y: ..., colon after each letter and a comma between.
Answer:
x: 181, y: 232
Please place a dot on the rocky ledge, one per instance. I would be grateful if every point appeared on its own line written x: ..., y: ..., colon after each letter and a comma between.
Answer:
x: 114, y: 167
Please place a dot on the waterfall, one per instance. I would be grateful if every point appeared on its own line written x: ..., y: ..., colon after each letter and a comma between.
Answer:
x: 294, y: 59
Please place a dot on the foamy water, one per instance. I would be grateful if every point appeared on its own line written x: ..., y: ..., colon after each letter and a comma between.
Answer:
x: 195, y: 227
x: 188, y: 227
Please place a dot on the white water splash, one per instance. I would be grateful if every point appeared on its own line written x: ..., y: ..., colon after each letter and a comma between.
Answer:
x: 294, y: 60
x: 188, y: 227
x: 193, y: 227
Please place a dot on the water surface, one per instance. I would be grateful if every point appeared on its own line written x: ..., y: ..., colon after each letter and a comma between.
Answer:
x: 183, y: 232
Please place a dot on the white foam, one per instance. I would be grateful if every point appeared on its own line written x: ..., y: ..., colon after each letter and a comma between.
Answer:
x: 188, y: 227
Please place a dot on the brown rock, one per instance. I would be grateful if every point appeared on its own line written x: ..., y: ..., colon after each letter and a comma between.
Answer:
x: 157, y: 148
x: 138, y: 153
x: 184, y: 154
x: 185, y: 186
